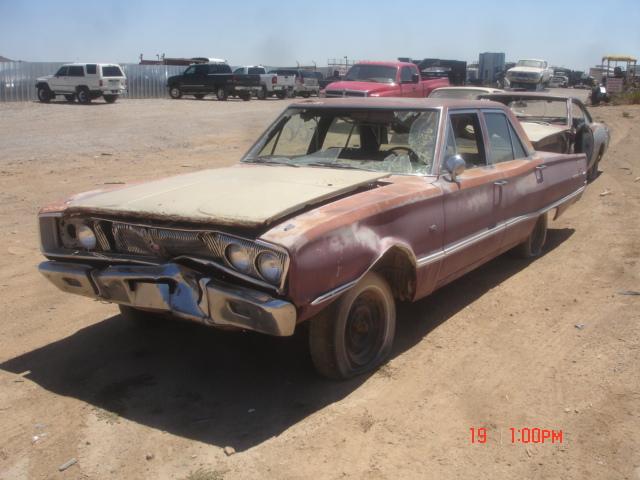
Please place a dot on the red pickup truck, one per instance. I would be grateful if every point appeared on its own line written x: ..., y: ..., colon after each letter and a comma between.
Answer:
x: 384, y: 79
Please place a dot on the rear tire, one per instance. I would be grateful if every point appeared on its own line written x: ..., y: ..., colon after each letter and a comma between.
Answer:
x: 534, y: 244
x: 44, y: 94
x: 70, y: 98
x: 83, y: 96
x: 354, y: 335
x: 175, y: 93
x: 221, y: 94
x: 281, y: 95
x: 262, y: 94
x: 245, y: 96
x: 305, y: 94
x: 110, y: 98
x: 592, y: 174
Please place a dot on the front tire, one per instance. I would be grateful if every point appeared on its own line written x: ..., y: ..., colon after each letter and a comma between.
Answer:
x: 355, y: 335
x: 175, y: 93
x: 533, y: 246
x: 592, y: 174
x: 70, y: 98
x: 110, y: 98
x: 44, y: 95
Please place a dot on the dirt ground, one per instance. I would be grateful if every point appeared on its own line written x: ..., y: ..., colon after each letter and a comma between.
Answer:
x: 550, y: 344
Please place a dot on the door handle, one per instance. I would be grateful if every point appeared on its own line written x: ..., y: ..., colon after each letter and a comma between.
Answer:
x: 500, y: 183
x: 541, y: 167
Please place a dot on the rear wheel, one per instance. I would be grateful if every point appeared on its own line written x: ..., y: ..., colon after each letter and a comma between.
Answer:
x: 83, y: 96
x: 533, y: 245
x: 262, y: 94
x: 70, y: 98
x: 592, y: 174
x: 221, y: 94
x: 281, y: 94
x: 110, y: 98
x: 355, y: 335
x: 175, y: 93
x: 305, y: 94
x: 44, y: 94
x: 245, y: 96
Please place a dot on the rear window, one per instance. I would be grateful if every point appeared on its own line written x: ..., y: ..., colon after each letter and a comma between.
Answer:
x: 307, y: 74
x: 92, y: 69
x: 256, y: 71
x: 112, y: 71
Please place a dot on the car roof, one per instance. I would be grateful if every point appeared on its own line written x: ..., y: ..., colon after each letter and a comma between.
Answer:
x: 395, y: 102
x: 532, y: 95
x: 388, y: 64
x: 471, y: 87
x: 81, y: 64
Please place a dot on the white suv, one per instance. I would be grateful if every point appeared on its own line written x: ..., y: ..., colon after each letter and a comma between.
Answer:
x: 84, y: 81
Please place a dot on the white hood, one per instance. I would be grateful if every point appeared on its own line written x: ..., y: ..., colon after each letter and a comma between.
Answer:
x: 244, y: 195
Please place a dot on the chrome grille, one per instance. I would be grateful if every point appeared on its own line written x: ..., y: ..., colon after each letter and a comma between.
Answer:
x: 345, y: 93
x: 137, y: 240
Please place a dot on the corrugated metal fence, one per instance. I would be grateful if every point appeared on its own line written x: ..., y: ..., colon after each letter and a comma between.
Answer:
x: 18, y: 79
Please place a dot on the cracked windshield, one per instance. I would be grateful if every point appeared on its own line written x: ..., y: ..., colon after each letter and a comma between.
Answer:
x: 400, y: 142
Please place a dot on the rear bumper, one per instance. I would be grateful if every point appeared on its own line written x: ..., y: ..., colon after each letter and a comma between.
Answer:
x: 178, y: 290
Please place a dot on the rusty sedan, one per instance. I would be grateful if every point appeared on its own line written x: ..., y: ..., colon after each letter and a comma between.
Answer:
x: 559, y: 124
x: 340, y: 209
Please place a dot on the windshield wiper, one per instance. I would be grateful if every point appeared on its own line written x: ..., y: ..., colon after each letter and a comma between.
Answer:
x: 270, y: 161
x: 332, y: 165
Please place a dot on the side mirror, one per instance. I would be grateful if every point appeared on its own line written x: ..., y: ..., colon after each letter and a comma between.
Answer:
x: 415, y: 78
x: 455, y: 165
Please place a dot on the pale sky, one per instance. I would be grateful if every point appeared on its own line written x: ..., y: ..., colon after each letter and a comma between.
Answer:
x: 280, y: 32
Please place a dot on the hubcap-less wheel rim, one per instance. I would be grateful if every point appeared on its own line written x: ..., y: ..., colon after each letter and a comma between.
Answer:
x: 175, y: 92
x: 365, y: 328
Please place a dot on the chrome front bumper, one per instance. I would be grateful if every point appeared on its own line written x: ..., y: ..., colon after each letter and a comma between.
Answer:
x: 179, y: 290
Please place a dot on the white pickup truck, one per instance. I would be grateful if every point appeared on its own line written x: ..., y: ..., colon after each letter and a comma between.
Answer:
x: 272, y: 84
x: 531, y: 74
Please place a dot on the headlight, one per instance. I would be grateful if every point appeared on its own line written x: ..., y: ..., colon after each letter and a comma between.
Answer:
x: 270, y: 267
x: 239, y: 257
x: 86, y: 237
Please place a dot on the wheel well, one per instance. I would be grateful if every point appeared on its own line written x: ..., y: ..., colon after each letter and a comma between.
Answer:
x: 81, y: 87
x: 44, y: 85
x: 398, y: 269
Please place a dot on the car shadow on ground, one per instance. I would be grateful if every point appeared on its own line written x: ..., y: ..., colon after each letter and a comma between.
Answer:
x: 224, y: 388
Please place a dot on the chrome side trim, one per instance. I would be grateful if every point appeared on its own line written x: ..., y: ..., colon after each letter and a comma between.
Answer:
x: 456, y: 246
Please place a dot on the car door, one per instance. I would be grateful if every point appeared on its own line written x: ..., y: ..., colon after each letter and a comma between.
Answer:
x: 522, y: 183
x: 60, y: 80
x: 75, y: 78
x: 408, y: 85
x: 584, y: 134
x: 471, y: 235
x: 194, y: 78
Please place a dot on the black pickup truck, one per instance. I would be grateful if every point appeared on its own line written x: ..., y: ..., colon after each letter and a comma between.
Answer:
x: 213, y: 78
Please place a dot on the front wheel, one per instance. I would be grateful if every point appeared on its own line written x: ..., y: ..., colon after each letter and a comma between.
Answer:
x: 175, y: 93
x: 110, y: 98
x: 355, y: 335
x: 533, y: 245
x: 44, y: 95
x: 592, y: 174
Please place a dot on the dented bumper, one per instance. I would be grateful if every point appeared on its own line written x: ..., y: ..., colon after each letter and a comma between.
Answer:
x: 178, y: 290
